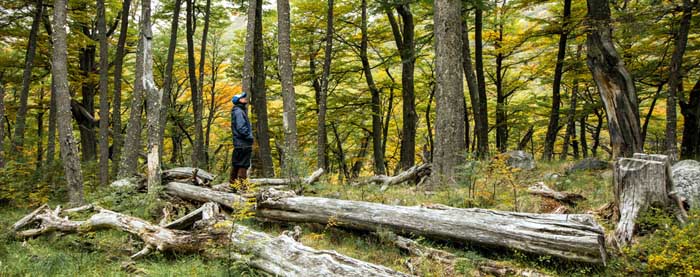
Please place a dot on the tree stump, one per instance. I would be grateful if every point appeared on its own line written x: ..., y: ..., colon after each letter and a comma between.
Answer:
x: 639, y: 185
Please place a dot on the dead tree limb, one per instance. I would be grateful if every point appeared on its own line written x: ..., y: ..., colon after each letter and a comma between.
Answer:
x: 277, y: 256
x: 288, y: 181
x: 415, y: 173
x: 543, y: 190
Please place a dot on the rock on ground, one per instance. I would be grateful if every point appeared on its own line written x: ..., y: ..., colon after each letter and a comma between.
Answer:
x: 520, y: 159
x: 588, y: 164
x: 686, y: 181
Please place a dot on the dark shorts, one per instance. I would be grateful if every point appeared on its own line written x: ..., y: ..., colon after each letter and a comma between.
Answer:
x: 241, y: 157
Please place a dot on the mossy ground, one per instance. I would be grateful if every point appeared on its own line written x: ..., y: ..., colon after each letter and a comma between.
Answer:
x: 486, y: 185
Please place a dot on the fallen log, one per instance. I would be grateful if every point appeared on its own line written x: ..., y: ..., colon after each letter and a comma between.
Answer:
x: 415, y: 173
x: 191, y: 174
x: 277, y: 256
x: 543, y: 190
x: 313, y: 178
x: 573, y: 237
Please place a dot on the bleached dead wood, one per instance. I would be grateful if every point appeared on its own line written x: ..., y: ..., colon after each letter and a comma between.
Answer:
x: 573, y: 237
x: 277, y: 256
x: 190, y: 174
x: 200, y: 194
x: 154, y: 237
x: 288, y: 181
x: 543, y: 190
x: 416, y: 173
x: 639, y: 185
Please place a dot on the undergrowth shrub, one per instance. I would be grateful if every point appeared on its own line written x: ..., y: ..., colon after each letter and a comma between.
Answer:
x: 24, y: 185
x: 669, y: 250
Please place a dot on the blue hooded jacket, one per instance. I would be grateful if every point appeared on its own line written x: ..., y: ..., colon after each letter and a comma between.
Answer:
x: 240, y: 125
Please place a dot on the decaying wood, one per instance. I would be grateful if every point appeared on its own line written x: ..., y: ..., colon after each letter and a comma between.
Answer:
x: 543, y: 190
x: 154, y: 237
x: 573, y: 237
x: 639, y: 185
x: 190, y: 174
x: 448, y: 259
x: 277, y: 256
x: 200, y: 194
x: 416, y: 173
x: 288, y: 181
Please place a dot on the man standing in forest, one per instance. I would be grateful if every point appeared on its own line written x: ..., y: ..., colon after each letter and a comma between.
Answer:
x: 242, y: 138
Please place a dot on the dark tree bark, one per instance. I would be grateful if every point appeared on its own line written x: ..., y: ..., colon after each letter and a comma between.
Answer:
x: 582, y: 135
x: 289, y: 115
x: 501, y: 109
x: 553, y: 127
x: 216, y: 61
x: 449, y: 128
x: 360, y: 157
x: 323, y: 95
x: 117, y: 139
x: 168, y: 76
x: 404, y: 38
x: 198, y: 146
x: 570, y: 126
x: 2, y: 122
x: 675, y: 79
x: 690, y: 145
x: 104, y: 102
x: 86, y: 124
x: 614, y: 82
x: 259, y: 100
x: 20, y: 122
x: 483, y: 136
x: 40, y: 137
x: 51, y: 141
x: 596, y: 132
x: 468, y: 68
x: 69, y: 147
x: 647, y: 118
x: 378, y: 153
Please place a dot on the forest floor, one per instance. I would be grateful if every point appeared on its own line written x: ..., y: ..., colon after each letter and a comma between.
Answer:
x: 106, y: 253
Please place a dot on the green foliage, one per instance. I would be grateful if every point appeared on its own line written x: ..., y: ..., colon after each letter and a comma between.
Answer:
x: 671, y: 250
x: 25, y: 186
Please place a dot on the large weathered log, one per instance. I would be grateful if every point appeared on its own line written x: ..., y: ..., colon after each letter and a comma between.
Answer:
x: 543, y: 190
x: 572, y: 237
x: 278, y: 256
x: 415, y: 173
x: 639, y: 184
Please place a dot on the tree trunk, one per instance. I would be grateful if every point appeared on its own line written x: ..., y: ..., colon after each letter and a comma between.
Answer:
x: 59, y: 69
x: 647, y: 118
x: 573, y: 237
x: 614, y: 82
x: 259, y: 100
x: 153, y: 99
x: 104, y: 102
x: 168, y: 76
x: 404, y: 38
x: 483, y: 136
x: 468, y: 69
x: 449, y: 127
x: 582, y: 135
x: 553, y: 127
x: 132, y: 145
x: 501, y: 109
x: 323, y: 95
x: 378, y: 153
x: 690, y: 145
x: 571, y: 125
x: 20, y: 123
x: 87, y: 124
x: 675, y: 79
x: 198, y: 146
x: 117, y: 138
x: 51, y: 141
x: 2, y: 122
x: 640, y: 183
x: 289, y: 115
x: 40, y: 137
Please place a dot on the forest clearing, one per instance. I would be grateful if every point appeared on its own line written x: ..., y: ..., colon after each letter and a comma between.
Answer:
x: 349, y: 138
